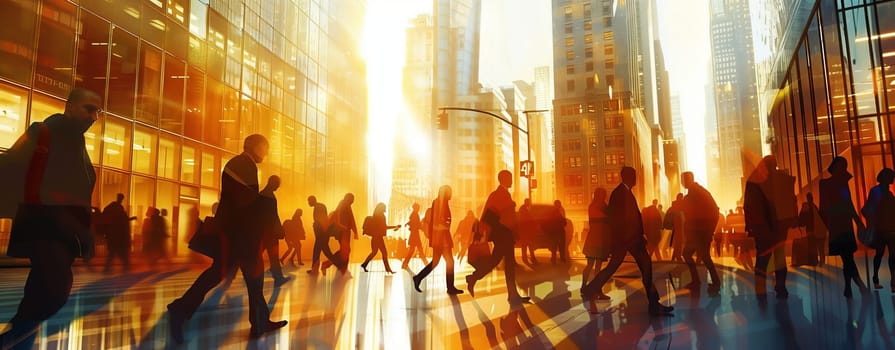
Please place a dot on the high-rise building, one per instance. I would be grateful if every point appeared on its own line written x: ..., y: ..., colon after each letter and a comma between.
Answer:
x: 736, y: 104
x: 412, y: 172
x: 183, y: 83
x: 605, y: 98
x: 829, y: 88
x: 542, y: 137
x: 710, y: 128
x: 456, y: 66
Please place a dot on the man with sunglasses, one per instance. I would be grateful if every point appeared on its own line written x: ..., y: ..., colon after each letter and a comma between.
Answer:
x: 52, y: 221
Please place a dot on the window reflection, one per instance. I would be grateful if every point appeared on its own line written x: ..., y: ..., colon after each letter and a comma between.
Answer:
x: 13, y: 112
x: 168, y: 157
x: 172, y: 104
x: 122, y: 74
x: 189, y: 165
x: 210, y: 166
x: 144, y: 150
x: 116, y: 143
x: 17, y: 35
x: 150, y: 85
x: 195, y: 104
x: 93, y: 52
x: 55, y: 48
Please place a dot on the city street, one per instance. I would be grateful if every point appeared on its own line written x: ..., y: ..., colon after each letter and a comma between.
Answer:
x: 372, y: 310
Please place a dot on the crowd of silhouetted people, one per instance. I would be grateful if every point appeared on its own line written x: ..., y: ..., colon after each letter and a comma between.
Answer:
x: 54, y: 224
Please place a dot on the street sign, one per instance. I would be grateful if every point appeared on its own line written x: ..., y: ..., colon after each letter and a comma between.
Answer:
x: 527, y: 168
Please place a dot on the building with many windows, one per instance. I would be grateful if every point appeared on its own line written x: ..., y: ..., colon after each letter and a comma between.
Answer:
x: 183, y: 83
x: 830, y: 88
x: 736, y: 103
x: 605, y: 99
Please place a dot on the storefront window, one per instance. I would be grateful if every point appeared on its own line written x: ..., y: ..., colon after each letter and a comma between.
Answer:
x: 17, y: 36
x: 55, y: 48
x: 122, y: 74
x: 172, y: 103
x: 144, y: 150
x: 189, y: 165
x: 13, y: 113
x: 168, y: 157
x: 150, y: 85
x: 116, y: 143
x: 886, y: 14
x: 862, y: 73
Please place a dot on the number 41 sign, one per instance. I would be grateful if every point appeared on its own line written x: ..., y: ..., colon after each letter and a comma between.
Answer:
x: 527, y: 168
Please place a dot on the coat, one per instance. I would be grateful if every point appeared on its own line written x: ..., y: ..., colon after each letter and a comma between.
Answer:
x: 625, y: 221
x: 838, y: 214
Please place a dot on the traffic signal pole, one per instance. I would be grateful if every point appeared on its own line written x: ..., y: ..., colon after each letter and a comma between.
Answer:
x: 443, y: 117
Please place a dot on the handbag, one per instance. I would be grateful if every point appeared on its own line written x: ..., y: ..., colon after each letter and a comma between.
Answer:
x: 868, y: 237
x: 207, y: 238
x: 478, y: 254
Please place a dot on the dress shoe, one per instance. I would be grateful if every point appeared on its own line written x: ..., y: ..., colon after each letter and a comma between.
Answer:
x: 661, y: 310
x: 364, y: 266
x: 454, y: 291
x: 281, y: 280
x: 782, y: 294
x: 470, y: 285
x: 255, y: 333
x: 175, y: 324
x: 601, y: 296
x: 416, y: 283
x: 519, y: 299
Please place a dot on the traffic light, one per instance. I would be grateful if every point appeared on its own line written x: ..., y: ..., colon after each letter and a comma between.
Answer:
x: 441, y: 121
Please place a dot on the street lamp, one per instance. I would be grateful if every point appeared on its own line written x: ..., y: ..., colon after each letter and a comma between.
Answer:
x: 443, y: 116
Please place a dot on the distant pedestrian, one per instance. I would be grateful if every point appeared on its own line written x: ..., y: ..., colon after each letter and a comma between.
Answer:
x: 118, y: 232
x: 377, y: 228
x: 414, y: 243
x: 652, y: 226
x: 463, y: 234
x: 295, y: 233
x: 809, y: 218
x: 342, y: 225
x: 321, y: 226
x: 270, y: 229
x: 674, y: 221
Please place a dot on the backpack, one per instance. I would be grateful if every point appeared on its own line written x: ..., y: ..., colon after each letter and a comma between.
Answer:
x: 367, y: 225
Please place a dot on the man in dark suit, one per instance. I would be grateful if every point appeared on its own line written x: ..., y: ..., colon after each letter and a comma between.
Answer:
x: 240, y: 249
x: 627, y: 225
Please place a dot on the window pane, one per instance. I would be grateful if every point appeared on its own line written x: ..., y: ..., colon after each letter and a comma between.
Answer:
x: 17, y: 39
x: 93, y: 53
x: 113, y: 183
x: 197, y: 52
x: 190, y: 165
x: 195, y: 104
x: 150, y: 85
x: 55, y: 48
x: 154, y: 26
x: 167, y: 198
x: 122, y: 74
x: 144, y: 150
x: 198, y: 13
x: 172, y: 103
x: 210, y: 166
x: 116, y: 143
x: 142, y: 197
x: 13, y: 112
x: 168, y: 157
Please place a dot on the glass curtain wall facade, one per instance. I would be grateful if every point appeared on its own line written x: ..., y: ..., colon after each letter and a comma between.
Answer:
x: 183, y: 83
x: 836, y: 97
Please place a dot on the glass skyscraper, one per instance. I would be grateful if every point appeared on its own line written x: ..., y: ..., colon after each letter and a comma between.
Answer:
x: 183, y: 83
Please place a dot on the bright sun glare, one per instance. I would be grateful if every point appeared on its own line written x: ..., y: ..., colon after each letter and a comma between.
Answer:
x: 384, y: 43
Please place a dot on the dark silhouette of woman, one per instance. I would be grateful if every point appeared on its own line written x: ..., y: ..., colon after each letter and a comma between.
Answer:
x: 596, y: 245
x: 838, y: 213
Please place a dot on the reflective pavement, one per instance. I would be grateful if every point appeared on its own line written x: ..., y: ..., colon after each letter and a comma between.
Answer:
x: 374, y: 310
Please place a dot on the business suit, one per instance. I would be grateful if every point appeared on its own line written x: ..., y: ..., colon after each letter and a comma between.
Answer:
x: 626, y: 223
